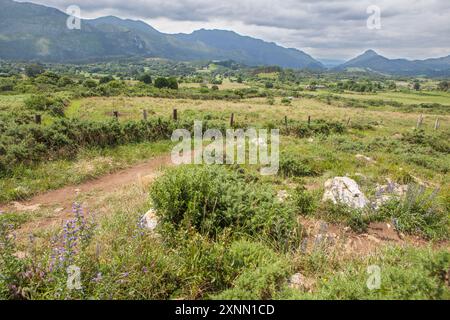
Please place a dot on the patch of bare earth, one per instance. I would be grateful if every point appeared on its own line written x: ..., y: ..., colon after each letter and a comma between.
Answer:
x: 339, y: 238
x: 58, y: 203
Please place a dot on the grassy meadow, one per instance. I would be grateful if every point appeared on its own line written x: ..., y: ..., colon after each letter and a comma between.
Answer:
x: 222, y: 231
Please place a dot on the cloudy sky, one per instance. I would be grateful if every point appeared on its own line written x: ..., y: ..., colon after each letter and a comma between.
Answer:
x: 333, y: 29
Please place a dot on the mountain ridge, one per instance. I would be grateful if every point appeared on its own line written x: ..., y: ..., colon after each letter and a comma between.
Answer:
x: 372, y: 61
x: 36, y: 32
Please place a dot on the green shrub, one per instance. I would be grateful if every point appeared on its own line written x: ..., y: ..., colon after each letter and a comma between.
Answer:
x: 304, y: 202
x: 286, y: 101
x: 211, y: 199
x: 28, y: 142
x: 358, y: 220
x: 42, y: 102
x: 145, y: 78
x: 106, y: 79
x: 292, y: 166
x: 90, y: 83
x: 170, y: 83
x: 7, y: 84
x: 419, y: 213
x: 316, y: 127
x: 437, y: 142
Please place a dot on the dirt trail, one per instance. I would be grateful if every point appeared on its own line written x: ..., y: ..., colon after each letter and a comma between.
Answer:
x: 64, y: 197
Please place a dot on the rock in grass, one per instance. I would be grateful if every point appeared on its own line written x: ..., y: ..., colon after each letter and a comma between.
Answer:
x: 300, y: 282
x: 149, y: 221
x: 282, y: 195
x: 364, y: 158
x: 346, y: 191
x: 386, y: 193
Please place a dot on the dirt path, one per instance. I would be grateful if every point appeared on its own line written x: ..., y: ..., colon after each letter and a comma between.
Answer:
x: 65, y: 197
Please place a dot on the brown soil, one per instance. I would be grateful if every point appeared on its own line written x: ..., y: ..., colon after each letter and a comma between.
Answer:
x: 65, y: 197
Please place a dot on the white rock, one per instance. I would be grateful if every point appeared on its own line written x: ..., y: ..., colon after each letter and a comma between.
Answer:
x: 385, y: 193
x: 149, y: 220
x: 344, y: 190
x: 364, y: 158
x: 282, y: 195
x: 300, y: 282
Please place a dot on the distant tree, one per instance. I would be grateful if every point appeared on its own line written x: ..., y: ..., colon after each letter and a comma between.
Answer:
x: 173, y: 83
x: 48, y: 77
x: 90, y: 83
x: 161, y: 82
x: 443, y: 86
x: 240, y: 80
x: 215, y: 87
x: 106, y: 79
x: 33, y: 70
x: 269, y: 85
x: 65, y: 81
x: 7, y: 85
x: 392, y: 85
x: 416, y: 85
x: 145, y: 78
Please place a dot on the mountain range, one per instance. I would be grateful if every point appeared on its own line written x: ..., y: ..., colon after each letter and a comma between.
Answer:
x: 35, y: 32
x: 31, y: 32
x: 372, y: 61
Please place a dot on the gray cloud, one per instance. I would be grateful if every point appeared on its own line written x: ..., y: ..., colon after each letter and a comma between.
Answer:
x: 323, y: 28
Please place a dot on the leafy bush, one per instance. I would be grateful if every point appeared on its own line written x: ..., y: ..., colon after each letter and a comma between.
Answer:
x: 304, y: 202
x: 211, y: 199
x: 420, y: 213
x: 170, y: 83
x: 90, y: 83
x: 42, y: 102
x: 286, y: 101
x: 292, y: 166
x: 322, y: 127
x: 106, y: 79
x: 262, y: 283
x: 28, y: 142
x: 145, y: 78
x: 33, y: 70
x: 7, y: 84
x: 357, y: 220
x: 437, y: 142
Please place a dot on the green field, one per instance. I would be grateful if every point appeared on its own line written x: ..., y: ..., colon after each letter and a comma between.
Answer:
x: 223, y: 231
x: 403, y: 97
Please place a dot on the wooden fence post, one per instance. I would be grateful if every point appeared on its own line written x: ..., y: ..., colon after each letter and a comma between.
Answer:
x: 232, y: 120
x: 144, y: 114
x: 437, y: 124
x: 420, y: 121
x: 175, y: 114
x: 309, y: 121
x: 38, y: 119
x: 286, y: 122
